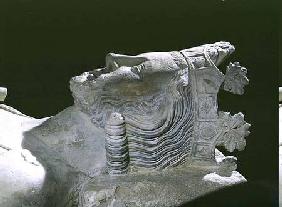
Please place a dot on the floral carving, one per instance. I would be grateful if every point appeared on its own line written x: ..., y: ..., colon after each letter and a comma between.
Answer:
x: 207, y: 107
x: 235, y: 78
x: 234, y: 131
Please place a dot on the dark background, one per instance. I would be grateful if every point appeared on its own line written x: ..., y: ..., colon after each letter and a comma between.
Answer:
x: 44, y: 43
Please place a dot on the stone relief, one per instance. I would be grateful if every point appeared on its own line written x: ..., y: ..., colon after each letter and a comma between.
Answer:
x: 235, y: 78
x: 136, y: 117
x: 234, y: 130
x: 158, y: 93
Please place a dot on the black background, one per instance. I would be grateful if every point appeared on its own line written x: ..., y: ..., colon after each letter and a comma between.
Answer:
x: 44, y: 43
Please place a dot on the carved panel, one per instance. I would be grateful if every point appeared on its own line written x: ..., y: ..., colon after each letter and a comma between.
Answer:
x: 208, y: 80
x: 207, y: 106
x: 207, y: 131
x: 204, y: 150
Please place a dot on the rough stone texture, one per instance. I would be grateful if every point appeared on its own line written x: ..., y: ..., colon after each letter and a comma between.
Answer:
x: 169, y: 102
x: 169, y: 187
x: 166, y: 136
x: 25, y: 183
x: 235, y: 78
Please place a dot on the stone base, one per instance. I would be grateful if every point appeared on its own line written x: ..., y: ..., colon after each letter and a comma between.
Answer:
x: 23, y: 181
x: 170, y: 187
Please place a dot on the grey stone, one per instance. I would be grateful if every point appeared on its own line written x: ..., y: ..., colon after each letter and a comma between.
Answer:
x: 169, y: 187
x: 143, y: 131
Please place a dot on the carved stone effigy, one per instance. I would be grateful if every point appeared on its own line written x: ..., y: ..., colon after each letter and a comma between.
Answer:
x: 139, y: 115
x: 169, y: 102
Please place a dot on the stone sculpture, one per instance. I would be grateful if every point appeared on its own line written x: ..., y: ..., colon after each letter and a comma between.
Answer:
x: 148, y: 121
x: 169, y: 102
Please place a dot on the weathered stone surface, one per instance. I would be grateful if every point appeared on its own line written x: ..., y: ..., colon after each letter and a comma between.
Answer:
x: 169, y: 187
x: 166, y: 98
x: 116, y: 144
x: 235, y: 129
x: 235, y: 78
x: 152, y: 117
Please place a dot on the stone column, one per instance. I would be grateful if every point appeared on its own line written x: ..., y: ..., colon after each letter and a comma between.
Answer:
x: 116, y: 144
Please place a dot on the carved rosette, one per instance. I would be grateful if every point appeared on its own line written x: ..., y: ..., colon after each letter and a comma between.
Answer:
x: 234, y: 130
x: 235, y: 78
x: 116, y: 144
